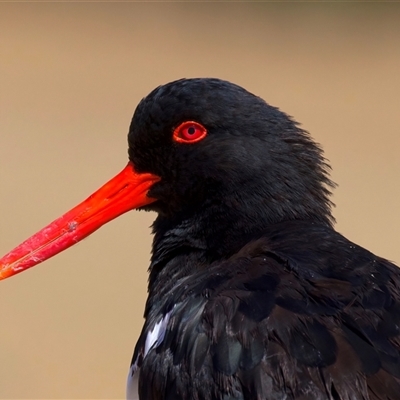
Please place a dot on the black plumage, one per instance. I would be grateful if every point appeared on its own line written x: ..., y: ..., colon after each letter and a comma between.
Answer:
x: 252, y: 293
x: 259, y: 296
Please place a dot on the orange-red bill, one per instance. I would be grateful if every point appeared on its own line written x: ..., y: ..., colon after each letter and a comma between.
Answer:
x: 124, y: 192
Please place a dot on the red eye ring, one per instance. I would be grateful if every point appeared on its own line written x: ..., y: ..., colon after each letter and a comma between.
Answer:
x: 189, y: 132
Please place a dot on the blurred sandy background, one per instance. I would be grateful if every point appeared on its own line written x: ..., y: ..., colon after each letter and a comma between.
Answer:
x: 70, y: 78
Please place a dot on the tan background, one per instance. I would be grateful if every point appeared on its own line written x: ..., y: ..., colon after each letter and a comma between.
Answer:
x: 70, y: 77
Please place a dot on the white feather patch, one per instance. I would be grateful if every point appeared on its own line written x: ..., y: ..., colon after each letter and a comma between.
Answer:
x: 132, y: 392
x: 153, y: 338
x: 156, y: 335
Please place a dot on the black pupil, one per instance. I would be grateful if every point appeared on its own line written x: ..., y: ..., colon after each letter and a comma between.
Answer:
x: 191, y: 130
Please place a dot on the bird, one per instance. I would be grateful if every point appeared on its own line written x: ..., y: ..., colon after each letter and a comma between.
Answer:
x: 252, y: 293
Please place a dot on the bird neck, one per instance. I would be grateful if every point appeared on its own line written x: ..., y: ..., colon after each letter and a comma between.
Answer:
x: 185, y: 244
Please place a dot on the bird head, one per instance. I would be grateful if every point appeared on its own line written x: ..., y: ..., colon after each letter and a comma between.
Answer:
x: 200, y: 150
x: 216, y: 146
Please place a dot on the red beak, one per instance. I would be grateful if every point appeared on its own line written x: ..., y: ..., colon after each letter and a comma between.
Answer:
x: 124, y: 192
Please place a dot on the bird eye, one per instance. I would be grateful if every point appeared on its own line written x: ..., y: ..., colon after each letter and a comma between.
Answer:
x: 189, y: 132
